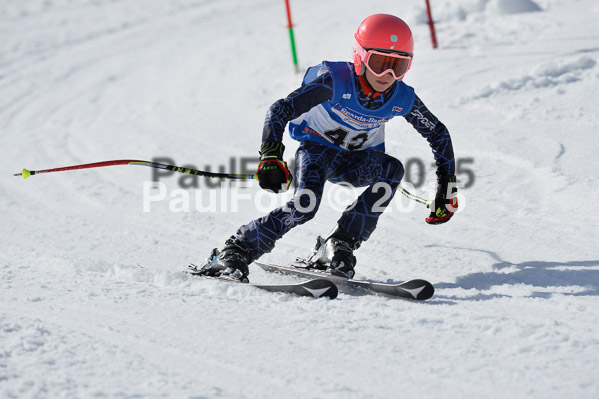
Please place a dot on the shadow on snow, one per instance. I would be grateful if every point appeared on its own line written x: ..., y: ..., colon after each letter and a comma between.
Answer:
x: 540, y: 274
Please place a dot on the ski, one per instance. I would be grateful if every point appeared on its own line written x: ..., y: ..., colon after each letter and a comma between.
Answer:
x: 413, y: 289
x: 315, y: 288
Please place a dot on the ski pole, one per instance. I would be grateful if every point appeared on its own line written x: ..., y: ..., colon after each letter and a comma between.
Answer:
x: 240, y: 176
x: 414, y: 197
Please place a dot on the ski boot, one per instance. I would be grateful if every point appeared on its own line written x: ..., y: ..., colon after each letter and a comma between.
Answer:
x: 335, y: 253
x: 231, y: 262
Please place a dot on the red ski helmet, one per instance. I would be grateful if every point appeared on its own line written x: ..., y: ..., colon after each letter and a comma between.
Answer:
x: 382, y: 32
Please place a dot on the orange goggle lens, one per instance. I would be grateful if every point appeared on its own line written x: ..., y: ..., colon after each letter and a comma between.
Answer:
x: 380, y: 63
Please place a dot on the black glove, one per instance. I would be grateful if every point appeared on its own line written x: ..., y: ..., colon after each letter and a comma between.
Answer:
x: 273, y: 173
x: 446, y: 200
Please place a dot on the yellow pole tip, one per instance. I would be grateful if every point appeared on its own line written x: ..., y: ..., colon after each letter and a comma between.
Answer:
x: 26, y: 173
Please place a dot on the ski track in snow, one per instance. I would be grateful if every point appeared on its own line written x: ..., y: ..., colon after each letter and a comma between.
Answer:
x: 93, y: 301
x: 544, y: 76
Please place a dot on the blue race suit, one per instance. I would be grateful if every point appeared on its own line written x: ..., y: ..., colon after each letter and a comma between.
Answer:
x: 340, y: 121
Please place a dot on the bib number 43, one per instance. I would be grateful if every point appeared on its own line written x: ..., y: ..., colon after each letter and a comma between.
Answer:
x: 339, y: 137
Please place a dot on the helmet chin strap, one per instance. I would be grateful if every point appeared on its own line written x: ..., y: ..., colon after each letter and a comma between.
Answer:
x: 368, y: 89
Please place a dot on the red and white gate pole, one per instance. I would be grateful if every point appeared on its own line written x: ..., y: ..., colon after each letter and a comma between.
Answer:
x: 431, y: 24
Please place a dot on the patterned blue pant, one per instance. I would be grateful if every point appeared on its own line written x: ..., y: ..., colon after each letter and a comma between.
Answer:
x: 316, y: 164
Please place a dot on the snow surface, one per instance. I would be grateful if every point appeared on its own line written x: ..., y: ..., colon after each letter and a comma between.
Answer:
x: 93, y: 301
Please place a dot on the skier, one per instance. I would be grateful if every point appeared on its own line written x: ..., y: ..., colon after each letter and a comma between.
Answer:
x: 338, y: 115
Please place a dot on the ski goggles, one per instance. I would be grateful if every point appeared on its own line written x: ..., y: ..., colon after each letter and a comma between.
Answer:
x: 381, y: 63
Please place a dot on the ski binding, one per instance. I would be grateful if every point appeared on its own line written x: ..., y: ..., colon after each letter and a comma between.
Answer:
x: 315, y: 287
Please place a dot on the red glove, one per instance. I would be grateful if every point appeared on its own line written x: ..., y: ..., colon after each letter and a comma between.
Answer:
x: 273, y: 173
x: 446, y: 200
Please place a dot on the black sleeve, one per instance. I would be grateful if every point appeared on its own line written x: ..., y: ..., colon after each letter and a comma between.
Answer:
x: 295, y: 104
x: 436, y: 134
